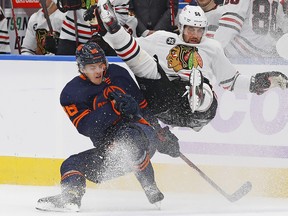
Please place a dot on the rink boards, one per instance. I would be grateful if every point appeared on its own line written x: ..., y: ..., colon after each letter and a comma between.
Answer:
x: 246, y: 141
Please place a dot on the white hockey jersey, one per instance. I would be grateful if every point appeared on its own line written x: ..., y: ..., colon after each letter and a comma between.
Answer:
x: 83, y: 31
x: 249, y: 28
x: 177, y: 58
x: 4, y: 35
x: 128, y: 21
x: 37, y: 30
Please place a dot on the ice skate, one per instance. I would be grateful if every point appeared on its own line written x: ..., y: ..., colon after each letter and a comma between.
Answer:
x: 195, y: 90
x: 68, y: 202
x: 153, y: 194
x: 108, y: 16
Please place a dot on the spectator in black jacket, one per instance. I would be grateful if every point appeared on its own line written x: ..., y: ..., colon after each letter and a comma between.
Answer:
x: 154, y: 15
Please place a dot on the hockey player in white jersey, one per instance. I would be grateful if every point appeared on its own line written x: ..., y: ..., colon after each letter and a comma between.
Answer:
x: 38, y: 30
x: 248, y: 28
x: 213, y: 13
x: 128, y: 21
x: 4, y: 35
x: 190, y: 60
x: 77, y: 30
x: 124, y: 17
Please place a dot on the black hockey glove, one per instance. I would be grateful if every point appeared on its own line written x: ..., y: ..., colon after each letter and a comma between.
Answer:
x: 261, y: 82
x: 168, y: 142
x: 126, y: 105
x: 51, y: 43
x: 1, y: 15
x: 89, y: 13
x: 92, y: 13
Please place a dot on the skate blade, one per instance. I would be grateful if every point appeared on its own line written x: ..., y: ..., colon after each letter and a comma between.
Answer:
x: 195, y: 81
x: 158, y: 205
x: 51, y: 208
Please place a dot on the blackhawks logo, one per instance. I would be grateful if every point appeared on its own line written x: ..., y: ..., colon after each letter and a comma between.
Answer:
x: 40, y: 38
x: 184, y: 57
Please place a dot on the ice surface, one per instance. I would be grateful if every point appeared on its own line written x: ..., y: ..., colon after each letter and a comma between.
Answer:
x: 21, y: 200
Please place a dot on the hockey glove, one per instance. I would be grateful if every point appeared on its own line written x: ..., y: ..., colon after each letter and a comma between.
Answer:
x: 168, y: 142
x: 126, y: 105
x: 92, y: 15
x: 51, y: 43
x: 261, y: 82
x: 89, y: 13
x: 1, y: 15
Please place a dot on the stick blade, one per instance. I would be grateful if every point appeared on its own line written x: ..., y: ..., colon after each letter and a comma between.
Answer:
x: 241, y: 192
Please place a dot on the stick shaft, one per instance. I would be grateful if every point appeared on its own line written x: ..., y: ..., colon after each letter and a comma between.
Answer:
x: 15, y: 27
x: 46, y: 14
x: 242, y: 191
x: 172, y: 13
x: 76, y: 28
x: 203, y: 175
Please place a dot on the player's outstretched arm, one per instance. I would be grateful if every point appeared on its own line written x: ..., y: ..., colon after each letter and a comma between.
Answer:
x: 126, y: 47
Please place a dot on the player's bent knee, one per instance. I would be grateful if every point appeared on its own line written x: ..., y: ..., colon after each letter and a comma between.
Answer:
x: 69, y: 164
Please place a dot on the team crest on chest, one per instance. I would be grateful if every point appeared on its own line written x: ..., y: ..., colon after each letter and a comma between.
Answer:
x: 184, y: 57
x: 170, y: 40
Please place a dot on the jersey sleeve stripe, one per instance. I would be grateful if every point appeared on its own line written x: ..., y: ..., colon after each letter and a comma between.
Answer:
x: 143, y: 104
x: 229, y: 83
x: 231, y: 27
x: 71, y: 20
x: 129, y: 51
x: 232, y: 20
x: 132, y: 56
x: 73, y: 28
x: 235, y: 15
x: 81, y: 116
x: 126, y: 46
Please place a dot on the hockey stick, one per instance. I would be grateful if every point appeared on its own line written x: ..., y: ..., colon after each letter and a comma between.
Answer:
x: 172, y: 13
x: 46, y: 14
x: 241, y: 192
x: 76, y: 28
x: 281, y: 46
x: 15, y: 27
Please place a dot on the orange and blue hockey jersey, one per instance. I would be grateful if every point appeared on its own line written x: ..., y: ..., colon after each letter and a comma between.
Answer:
x: 89, y: 107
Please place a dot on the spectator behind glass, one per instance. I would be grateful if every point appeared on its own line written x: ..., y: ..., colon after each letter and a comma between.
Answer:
x: 75, y: 30
x: 37, y: 33
x: 4, y: 36
x: 153, y: 15
x: 240, y: 34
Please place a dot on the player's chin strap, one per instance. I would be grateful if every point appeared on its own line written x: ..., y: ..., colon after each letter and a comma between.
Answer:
x: 261, y: 82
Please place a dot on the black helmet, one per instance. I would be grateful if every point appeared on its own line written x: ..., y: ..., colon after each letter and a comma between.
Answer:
x: 90, y: 53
